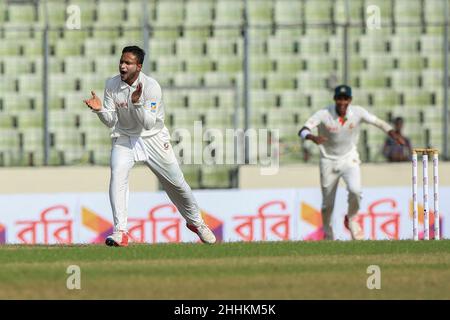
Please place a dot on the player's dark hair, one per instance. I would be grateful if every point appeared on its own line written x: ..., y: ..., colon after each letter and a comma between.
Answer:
x: 398, y: 119
x: 138, y: 52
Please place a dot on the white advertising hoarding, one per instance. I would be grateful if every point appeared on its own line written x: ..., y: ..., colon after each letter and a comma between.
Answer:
x: 233, y: 215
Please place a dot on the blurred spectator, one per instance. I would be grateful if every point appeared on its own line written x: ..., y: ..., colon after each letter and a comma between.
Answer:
x: 393, y: 151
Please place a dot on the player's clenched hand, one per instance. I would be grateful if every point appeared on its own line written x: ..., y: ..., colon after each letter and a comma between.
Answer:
x: 136, y: 94
x: 94, y: 103
x: 318, y: 139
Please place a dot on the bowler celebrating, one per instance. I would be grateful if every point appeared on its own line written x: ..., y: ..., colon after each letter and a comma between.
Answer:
x: 338, y: 133
x: 134, y: 111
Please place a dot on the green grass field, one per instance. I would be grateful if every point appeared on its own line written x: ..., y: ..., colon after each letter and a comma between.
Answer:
x: 275, y: 270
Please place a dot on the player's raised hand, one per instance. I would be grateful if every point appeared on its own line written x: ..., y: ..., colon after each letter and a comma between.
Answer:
x: 94, y: 103
x: 137, y: 93
x: 318, y: 139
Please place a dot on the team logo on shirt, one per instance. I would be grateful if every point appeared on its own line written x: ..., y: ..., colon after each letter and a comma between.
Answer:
x: 153, y: 106
x: 166, y: 146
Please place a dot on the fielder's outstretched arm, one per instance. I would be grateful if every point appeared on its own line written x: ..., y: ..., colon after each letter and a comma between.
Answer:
x: 383, y: 125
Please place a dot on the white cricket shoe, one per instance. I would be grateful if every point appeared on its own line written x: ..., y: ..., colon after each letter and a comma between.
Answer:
x: 203, y: 232
x: 355, y: 228
x: 117, y: 239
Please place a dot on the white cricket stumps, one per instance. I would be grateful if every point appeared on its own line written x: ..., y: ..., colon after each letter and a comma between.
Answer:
x: 426, y: 213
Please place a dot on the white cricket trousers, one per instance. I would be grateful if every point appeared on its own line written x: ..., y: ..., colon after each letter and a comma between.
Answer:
x: 330, y: 173
x: 157, y: 154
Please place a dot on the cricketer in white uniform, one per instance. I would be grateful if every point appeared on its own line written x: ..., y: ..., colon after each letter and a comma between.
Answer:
x: 134, y: 110
x: 338, y: 132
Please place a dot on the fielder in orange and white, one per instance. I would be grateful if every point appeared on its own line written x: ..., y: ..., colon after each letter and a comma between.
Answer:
x: 338, y: 132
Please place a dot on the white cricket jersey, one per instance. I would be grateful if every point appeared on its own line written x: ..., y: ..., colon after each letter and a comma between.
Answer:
x: 143, y: 119
x: 342, y: 134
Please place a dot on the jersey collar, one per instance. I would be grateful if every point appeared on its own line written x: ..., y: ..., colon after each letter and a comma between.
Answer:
x: 124, y: 85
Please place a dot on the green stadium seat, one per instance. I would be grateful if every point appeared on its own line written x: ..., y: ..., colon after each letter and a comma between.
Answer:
x: 135, y: 10
x: 93, y: 82
x: 260, y: 64
x: 75, y: 36
x: 431, y: 44
x: 407, y: 11
x: 21, y: 14
x: 98, y: 47
x: 9, y: 47
x: 431, y: 79
x: 29, y: 119
x: 401, y: 79
x: 77, y: 65
x: 356, y: 11
x: 55, y: 65
x: 400, y: 45
x: 199, y: 13
x: 108, y: 14
x: 260, y: 12
x: 294, y: 99
x: 383, y: 98
x: 200, y: 100
x: 229, y: 12
x: 277, y: 81
x: 225, y: 79
x: 434, y: 61
x: 66, y: 139
x: 288, y: 64
x: 288, y: 12
x: 320, y: 64
x: 62, y: 82
x: 15, y: 65
x: 188, y: 80
x: 410, y: 62
x: 313, y: 45
x: 217, y: 47
x: 434, y: 11
x: 30, y: 83
x: 318, y: 11
x: 281, y: 46
x: 31, y: 48
x: 107, y: 66
x: 377, y: 62
x: 414, y: 97
x: 215, y: 176
x: 320, y: 98
x: 159, y: 47
x: 106, y: 33
x: 229, y: 64
x: 61, y: 120
x: 65, y: 48
x: 262, y: 100
x: 316, y: 80
x: 169, y: 64
x: 369, y: 79
x: 372, y: 44
x: 169, y: 13
x: 189, y: 47
x: 56, y: 12
x: 198, y: 64
x: 130, y: 37
x: 219, y: 118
